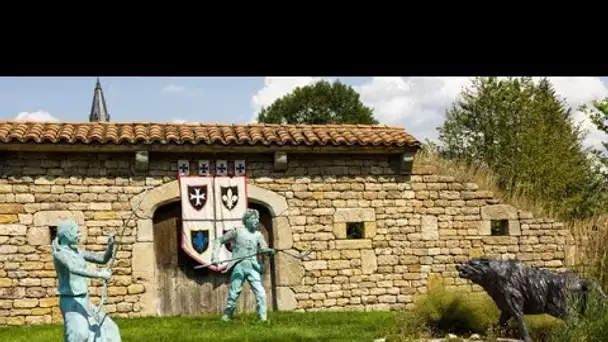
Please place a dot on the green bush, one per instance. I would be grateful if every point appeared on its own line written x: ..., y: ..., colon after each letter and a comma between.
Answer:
x: 449, y: 312
x: 441, y: 312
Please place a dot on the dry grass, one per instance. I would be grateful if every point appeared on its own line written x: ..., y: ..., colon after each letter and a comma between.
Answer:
x: 428, y: 162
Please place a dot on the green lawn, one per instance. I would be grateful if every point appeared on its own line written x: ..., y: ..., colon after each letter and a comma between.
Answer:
x: 284, y: 327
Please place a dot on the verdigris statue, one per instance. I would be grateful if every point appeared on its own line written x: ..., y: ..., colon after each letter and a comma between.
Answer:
x: 520, y: 290
x: 81, y: 323
x: 248, y: 243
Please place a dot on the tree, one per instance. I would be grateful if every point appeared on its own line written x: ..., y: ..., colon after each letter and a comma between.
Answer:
x: 319, y: 103
x: 599, y: 117
x: 527, y: 135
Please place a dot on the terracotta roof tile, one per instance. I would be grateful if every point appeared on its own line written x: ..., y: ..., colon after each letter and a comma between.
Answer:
x: 209, y: 134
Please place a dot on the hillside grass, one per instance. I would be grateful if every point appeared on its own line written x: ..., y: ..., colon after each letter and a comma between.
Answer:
x: 282, y: 326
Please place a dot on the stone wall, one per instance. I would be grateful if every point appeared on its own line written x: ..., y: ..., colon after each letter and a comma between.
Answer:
x: 414, y: 227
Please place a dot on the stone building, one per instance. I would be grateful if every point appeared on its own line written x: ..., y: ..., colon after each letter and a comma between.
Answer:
x: 378, y: 225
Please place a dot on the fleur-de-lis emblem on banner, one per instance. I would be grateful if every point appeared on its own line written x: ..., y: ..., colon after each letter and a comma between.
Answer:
x: 229, y: 196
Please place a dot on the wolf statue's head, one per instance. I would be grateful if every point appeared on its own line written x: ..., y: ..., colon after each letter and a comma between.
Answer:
x: 478, y: 270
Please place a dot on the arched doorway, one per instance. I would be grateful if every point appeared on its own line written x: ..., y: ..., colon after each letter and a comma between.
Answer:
x: 181, y: 289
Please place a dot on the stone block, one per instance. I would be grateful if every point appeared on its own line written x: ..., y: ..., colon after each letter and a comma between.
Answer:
x: 475, y: 252
x: 282, y: 233
x: 51, y: 218
x: 339, y: 230
x: 355, y: 215
x: 514, y: 228
x: 369, y: 230
x: 136, y: 289
x: 429, y: 228
x: 13, y: 229
x: 145, y: 230
x: 38, y: 236
x: 143, y: 261
x: 315, y: 265
x: 354, y: 244
x: 25, y: 303
x: 286, y: 300
x: 369, y: 262
x: 9, y: 218
x: 485, y: 228
x: 290, y: 271
x: 11, y: 208
x: 499, y: 212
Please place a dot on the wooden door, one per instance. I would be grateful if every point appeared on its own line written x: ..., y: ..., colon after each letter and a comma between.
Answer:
x: 182, y: 290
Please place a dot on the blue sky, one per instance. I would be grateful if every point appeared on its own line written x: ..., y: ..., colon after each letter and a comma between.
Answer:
x: 198, y: 99
x: 416, y: 103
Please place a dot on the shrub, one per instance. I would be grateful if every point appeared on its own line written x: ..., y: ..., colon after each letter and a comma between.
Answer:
x: 445, y: 312
x: 441, y: 312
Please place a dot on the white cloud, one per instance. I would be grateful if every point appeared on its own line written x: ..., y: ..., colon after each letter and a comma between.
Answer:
x: 277, y: 87
x: 418, y: 103
x: 39, y: 115
x: 173, y: 88
x: 178, y: 120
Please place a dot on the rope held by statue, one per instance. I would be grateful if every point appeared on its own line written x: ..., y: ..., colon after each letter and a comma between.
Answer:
x: 104, y: 289
x: 297, y: 256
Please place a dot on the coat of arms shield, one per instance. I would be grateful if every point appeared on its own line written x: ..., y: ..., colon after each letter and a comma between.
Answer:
x: 197, y: 196
x: 200, y: 240
x: 230, y: 196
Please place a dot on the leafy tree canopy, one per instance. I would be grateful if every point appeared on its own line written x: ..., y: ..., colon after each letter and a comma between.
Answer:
x: 319, y: 103
x: 598, y: 113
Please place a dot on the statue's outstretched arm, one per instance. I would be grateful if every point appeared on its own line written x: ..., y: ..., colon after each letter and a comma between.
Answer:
x: 69, y: 263
x: 230, y: 235
x: 100, y: 259
x: 97, y: 258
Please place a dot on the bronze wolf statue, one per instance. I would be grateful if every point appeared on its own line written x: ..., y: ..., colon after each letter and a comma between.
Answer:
x: 520, y: 290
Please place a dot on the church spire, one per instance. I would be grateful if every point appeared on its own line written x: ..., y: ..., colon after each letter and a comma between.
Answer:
x: 99, y: 111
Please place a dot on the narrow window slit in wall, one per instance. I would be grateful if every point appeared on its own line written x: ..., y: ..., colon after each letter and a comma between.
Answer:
x: 52, y: 233
x: 354, y: 230
x: 500, y: 227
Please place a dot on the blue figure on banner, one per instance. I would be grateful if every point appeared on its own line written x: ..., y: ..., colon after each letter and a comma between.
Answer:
x: 200, y: 240
x: 81, y: 322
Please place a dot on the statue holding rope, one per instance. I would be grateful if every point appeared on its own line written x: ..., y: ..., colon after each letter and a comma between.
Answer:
x: 81, y: 321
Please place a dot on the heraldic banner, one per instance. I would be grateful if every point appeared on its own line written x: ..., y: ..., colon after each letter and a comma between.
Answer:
x: 198, y: 226
x: 230, y: 206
